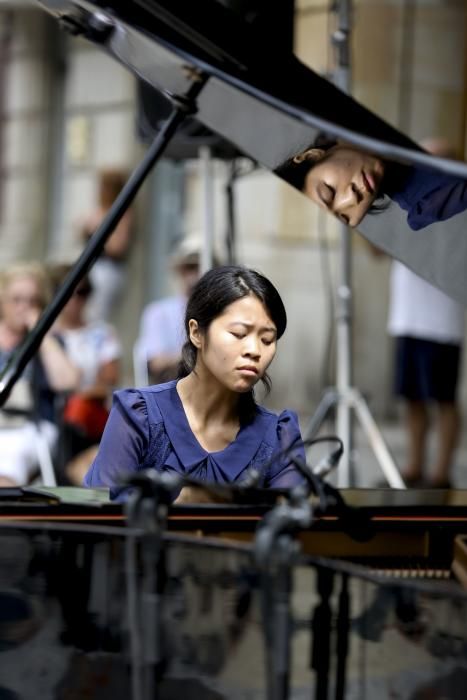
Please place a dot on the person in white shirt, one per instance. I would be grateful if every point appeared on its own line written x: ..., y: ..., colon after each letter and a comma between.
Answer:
x: 429, y: 330
x: 161, y: 334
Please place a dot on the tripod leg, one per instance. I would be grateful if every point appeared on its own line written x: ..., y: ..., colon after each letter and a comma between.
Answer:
x: 376, y: 440
x: 329, y: 399
x: 344, y: 427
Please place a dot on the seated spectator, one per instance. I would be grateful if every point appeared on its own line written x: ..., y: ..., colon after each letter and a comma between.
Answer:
x: 161, y: 331
x: 24, y: 291
x: 95, y: 349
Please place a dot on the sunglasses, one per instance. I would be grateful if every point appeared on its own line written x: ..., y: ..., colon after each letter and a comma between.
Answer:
x: 82, y: 292
x: 26, y: 300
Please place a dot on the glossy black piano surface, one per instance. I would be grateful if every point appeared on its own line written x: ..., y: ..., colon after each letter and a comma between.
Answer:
x: 87, y: 611
x: 263, y: 100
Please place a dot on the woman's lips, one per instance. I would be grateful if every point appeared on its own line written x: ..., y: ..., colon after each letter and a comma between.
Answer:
x: 248, y: 370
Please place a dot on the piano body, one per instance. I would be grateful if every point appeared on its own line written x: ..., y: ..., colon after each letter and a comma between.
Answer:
x: 93, y: 608
x: 376, y: 608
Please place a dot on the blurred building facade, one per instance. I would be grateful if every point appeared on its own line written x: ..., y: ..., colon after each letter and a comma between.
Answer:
x: 66, y: 110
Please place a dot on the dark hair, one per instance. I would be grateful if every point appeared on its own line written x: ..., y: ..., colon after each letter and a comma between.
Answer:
x: 212, y: 293
x: 58, y: 272
x: 111, y: 183
x: 295, y: 172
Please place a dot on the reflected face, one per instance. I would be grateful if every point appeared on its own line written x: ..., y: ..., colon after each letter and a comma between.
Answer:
x: 239, y: 345
x: 344, y: 181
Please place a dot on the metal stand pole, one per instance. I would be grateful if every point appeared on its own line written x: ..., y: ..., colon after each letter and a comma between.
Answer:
x: 344, y: 396
x: 230, y: 237
x: 276, y: 552
x: 207, y: 253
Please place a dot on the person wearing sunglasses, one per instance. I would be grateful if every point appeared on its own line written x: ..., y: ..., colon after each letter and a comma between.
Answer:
x: 94, y: 348
x: 24, y: 291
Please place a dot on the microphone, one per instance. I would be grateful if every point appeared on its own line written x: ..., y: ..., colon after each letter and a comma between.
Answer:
x: 251, y: 479
x: 328, y: 463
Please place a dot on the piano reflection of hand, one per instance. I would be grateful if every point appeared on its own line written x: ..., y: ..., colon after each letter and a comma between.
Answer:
x: 197, y: 494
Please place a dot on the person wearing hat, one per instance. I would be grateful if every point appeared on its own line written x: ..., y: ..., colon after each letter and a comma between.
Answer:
x: 161, y: 334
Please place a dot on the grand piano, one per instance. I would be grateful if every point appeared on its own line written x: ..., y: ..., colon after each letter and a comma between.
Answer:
x: 231, y: 600
x: 363, y: 598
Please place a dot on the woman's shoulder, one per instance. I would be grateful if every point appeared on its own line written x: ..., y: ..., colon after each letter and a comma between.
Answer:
x: 277, y: 423
x: 144, y: 399
x: 165, y: 386
x: 430, y: 196
x: 284, y: 415
x: 148, y: 391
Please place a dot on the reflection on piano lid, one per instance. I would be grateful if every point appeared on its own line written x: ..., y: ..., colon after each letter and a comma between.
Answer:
x: 267, y: 103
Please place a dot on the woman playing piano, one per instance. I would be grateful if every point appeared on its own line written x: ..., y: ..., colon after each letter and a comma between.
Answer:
x: 349, y: 183
x: 206, y: 424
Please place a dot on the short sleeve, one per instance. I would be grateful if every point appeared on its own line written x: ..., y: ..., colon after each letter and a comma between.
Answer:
x: 124, y: 442
x: 283, y: 474
x: 438, y: 205
x: 428, y: 197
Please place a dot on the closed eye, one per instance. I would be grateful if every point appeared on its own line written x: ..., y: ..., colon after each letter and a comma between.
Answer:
x: 357, y: 193
x: 328, y: 194
x: 237, y: 335
x: 266, y: 341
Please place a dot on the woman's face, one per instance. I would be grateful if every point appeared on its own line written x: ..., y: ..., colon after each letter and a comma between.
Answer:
x: 21, y: 303
x: 344, y: 181
x: 239, y: 345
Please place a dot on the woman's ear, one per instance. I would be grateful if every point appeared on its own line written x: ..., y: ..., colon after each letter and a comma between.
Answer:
x: 194, y: 333
x: 314, y: 154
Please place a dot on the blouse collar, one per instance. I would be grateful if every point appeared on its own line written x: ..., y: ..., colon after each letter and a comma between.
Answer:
x: 230, y: 461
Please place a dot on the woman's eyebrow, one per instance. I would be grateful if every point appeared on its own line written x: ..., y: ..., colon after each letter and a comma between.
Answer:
x: 245, y: 324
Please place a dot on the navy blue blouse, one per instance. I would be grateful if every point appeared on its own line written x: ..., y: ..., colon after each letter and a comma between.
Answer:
x: 429, y: 196
x: 148, y: 428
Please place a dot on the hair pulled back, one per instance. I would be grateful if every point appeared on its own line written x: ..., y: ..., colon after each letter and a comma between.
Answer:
x: 217, y: 289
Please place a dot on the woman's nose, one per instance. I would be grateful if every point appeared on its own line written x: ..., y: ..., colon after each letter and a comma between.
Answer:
x: 345, y: 198
x: 252, y: 347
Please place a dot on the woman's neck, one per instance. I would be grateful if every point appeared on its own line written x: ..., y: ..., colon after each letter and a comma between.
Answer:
x: 206, y: 398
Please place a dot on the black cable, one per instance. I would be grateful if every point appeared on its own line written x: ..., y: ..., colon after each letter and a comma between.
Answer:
x: 309, y: 442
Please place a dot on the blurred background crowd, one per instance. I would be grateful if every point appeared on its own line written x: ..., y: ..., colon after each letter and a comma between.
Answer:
x: 72, y: 126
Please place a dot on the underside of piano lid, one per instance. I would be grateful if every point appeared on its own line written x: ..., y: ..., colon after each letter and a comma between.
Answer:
x: 269, y: 105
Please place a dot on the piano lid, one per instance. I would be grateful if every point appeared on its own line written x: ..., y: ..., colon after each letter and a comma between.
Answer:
x: 270, y: 106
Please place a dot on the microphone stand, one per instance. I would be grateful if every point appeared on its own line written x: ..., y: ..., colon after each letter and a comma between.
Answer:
x: 358, y: 526
x: 345, y: 397
x: 276, y: 551
x: 147, y: 510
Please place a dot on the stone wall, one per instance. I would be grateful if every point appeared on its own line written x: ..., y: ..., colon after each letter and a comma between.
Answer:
x: 410, y: 73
